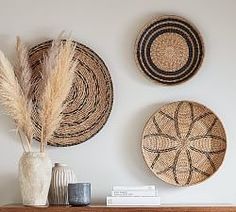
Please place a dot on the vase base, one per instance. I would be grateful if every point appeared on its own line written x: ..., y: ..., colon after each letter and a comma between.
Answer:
x: 36, y: 206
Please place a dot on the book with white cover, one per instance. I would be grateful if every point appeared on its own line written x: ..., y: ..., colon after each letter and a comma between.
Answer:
x: 134, y: 193
x: 133, y: 201
x: 132, y: 188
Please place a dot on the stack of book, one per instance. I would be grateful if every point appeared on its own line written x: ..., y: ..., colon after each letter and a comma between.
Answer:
x: 134, y: 196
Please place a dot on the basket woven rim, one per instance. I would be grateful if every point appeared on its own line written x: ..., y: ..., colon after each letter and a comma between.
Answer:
x: 31, y: 51
x: 153, y: 20
x: 142, y: 150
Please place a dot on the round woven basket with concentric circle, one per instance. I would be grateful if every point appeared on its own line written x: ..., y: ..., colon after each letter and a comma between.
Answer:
x: 89, y: 102
x: 169, y: 50
x: 184, y: 143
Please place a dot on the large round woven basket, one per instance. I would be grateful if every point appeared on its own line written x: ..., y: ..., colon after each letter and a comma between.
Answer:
x: 169, y: 50
x: 184, y: 143
x: 89, y: 102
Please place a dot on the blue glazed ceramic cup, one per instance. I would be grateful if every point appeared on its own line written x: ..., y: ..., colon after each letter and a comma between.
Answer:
x: 79, y: 194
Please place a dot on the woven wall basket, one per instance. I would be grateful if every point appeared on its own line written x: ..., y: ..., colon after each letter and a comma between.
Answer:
x: 169, y: 50
x: 184, y: 143
x: 89, y: 101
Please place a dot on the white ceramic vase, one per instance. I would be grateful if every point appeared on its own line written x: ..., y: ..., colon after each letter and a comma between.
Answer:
x: 62, y: 175
x: 35, y: 171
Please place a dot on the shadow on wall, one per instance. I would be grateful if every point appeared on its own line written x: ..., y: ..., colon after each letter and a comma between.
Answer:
x: 9, y: 188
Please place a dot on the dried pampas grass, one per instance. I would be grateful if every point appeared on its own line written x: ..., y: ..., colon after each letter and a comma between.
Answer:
x: 58, y: 74
x: 23, y: 73
x: 58, y: 70
x: 22, y: 68
x: 50, y: 59
x: 14, y: 100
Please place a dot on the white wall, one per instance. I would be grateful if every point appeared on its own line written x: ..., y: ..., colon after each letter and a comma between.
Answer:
x: 110, y: 27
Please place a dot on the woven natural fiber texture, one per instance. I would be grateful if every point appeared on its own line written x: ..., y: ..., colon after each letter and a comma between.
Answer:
x: 184, y: 143
x: 169, y: 50
x: 89, y: 102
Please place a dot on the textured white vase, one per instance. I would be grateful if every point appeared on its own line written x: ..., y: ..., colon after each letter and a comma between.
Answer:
x: 61, y: 176
x: 35, y: 171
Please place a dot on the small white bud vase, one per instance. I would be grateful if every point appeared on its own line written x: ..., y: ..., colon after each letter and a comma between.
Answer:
x: 62, y: 175
x: 35, y: 171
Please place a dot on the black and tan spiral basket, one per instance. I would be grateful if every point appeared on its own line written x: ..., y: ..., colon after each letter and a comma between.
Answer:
x: 184, y: 143
x: 169, y: 50
x: 89, y: 102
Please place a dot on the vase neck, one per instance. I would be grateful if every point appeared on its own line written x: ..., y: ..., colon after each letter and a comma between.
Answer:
x: 59, y: 165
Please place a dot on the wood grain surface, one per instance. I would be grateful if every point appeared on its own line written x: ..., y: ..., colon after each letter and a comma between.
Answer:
x: 12, y: 208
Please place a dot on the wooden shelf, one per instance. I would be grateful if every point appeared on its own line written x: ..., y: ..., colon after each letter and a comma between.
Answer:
x: 222, y: 208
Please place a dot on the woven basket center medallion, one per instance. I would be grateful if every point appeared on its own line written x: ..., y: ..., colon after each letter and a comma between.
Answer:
x: 184, y: 144
x: 169, y: 52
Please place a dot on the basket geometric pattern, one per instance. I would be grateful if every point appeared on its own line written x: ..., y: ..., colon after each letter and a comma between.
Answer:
x: 184, y: 143
x: 169, y: 50
x: 90, y: 99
